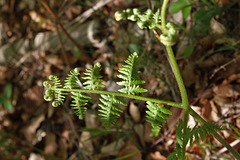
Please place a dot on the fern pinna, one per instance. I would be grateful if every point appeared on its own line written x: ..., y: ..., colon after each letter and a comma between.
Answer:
x: 130, y: 76
x: 92, y: 77
x: 156, y: 115
x: 109, y: 111
x: 195, y: 132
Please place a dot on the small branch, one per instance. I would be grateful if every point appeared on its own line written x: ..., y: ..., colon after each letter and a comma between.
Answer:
x: 85, y: 57
x: 223, y: 66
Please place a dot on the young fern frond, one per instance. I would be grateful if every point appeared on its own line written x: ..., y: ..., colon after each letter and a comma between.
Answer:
x: 156, y: 115
x: 51, y: 93
x: 130, y: 76
x: 93, y: 78
x: 80, y: 100
x: 196, y: 132
x: 109, y: 110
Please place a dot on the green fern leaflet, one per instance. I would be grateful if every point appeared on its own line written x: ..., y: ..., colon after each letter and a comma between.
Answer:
x: 109, y: 111
x: 80, y: 100
x: 93, y: 78
x: 130, y: 76
x: 156, y: 115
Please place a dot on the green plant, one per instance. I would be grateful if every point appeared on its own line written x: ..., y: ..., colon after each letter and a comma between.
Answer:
x: 5, y: 98
x: 202, y: 14
x: 129, y: 73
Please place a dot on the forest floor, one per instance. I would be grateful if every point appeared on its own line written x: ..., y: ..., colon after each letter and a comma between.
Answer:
x: 35, y: 42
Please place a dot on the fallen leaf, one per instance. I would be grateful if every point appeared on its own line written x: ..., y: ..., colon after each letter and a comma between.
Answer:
x: 131, y: 152
x: 134, y: 112
x: 86, y: 144
x: 157, y: 156
x: 29, y: 131
x: 50, y: 143
x: 139, y: 129
x: 113, y: 148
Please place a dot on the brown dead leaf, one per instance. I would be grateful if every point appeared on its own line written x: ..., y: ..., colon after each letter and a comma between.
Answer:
x: 157, y: 156
x: 215, y: 112
x: 50, y: 143
x: 86, y: 143
x: 131, y: 150
x: 29, y: 131
x: 113, y: 148
x: 217, y: 27
x: 139, y: 129
x: 224, y: 93
x: 62, y: 148
x: 206, y: 110
x: 134, y: 112
x: 238, y: 122
x: 147, y: 132
x: 189, y: 76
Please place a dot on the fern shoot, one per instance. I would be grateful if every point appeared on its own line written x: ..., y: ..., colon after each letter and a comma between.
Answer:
x: 52, y: 93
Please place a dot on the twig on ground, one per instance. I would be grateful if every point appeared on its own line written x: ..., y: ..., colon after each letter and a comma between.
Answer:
x: 85, y: 57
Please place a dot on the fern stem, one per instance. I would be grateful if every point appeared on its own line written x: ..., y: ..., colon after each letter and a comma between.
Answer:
x: 185, y: 104
x: 175, y: 69
x: 163, y: 15
x: 174, y: 104
x: 183, y: 93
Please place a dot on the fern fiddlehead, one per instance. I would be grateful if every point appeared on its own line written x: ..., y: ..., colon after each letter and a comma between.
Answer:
x: 130, y: 76
x: 151, y: 21
x: 146, y: 20
x: 51, y: 93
